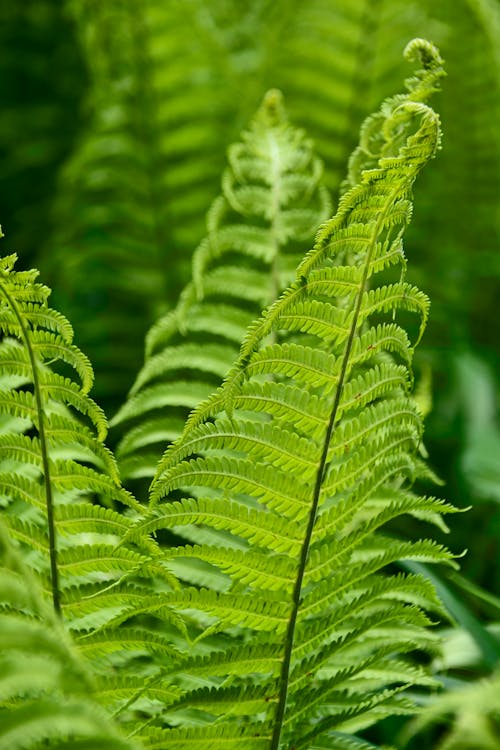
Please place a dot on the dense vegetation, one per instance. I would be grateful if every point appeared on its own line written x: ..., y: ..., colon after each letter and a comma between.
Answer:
x: 264, y: 582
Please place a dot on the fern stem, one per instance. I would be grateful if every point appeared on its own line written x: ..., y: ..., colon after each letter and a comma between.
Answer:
x: 320, y: 475
x: 49, y: 500
x: 275, y: 210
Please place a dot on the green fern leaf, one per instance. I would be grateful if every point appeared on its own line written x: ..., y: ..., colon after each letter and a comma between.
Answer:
x: 45, y: 688
x: 56, y: 477
x: 39, y: 340
x: 305, y: 525
x: 272, y: 198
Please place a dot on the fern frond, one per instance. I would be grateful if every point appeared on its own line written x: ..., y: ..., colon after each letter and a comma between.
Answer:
x: 134, y: 192
x: 45, y: 688
x: 53, y: 463
x: 303, y: 473
x: 57, y: 476
x: 272, y: 198
x: 471, y: 712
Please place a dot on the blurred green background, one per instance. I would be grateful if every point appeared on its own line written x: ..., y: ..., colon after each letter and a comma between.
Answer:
x: 116, y: 117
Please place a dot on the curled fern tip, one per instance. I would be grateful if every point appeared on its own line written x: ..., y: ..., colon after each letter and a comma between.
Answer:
x: 272, y: 109
x: 423, y: 51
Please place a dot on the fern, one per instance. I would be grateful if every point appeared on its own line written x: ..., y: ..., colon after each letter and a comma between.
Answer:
x: 462, y: 280
x: 161, y: 109
x: 474, y: 713
x: 302, y: 633
x: 301, y: 458
x: 133, y: 195
x: 63, y: 503
x: 343, y: 51
x: 272, y: 199
x: 45, y: 687
x: 53, y: 453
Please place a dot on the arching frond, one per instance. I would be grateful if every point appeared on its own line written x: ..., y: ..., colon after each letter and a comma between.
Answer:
x: 53, y: 454
x: 303, y: 479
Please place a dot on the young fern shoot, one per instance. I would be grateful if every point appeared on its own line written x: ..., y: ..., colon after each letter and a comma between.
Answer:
x: 300, y: 459
x: 272, y: 202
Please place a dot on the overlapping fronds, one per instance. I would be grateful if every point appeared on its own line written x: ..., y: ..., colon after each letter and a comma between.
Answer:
x: 301, y: 458
x: 272, y: 200
x: 345, y: 56
x: 133, y: 195
x: 342, y: 52
x: 288, y: 476
x: 165, y: 99
x: 45, y: 688
x: 62, y: 501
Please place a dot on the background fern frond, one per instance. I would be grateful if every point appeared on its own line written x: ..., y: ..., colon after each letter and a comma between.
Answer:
x: 272, y: 198
x: 470, y: 711
x: 134, y: 192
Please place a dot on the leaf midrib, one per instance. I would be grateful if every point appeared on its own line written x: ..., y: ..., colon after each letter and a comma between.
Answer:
x: 322, y: 468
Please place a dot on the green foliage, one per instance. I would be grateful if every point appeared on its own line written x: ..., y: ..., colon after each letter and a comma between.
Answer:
x: 142, y: 177
x: 296, y: 631
x: 301, y: 458
x: 45, y: 688
x: 164, y: 98
x: 474, y: 712
x: 52, y: 431
x: 203, y: 618
x: 272, y: 201
x: 467, y: 712
x: 53, y: 469
x: 42, y: 79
